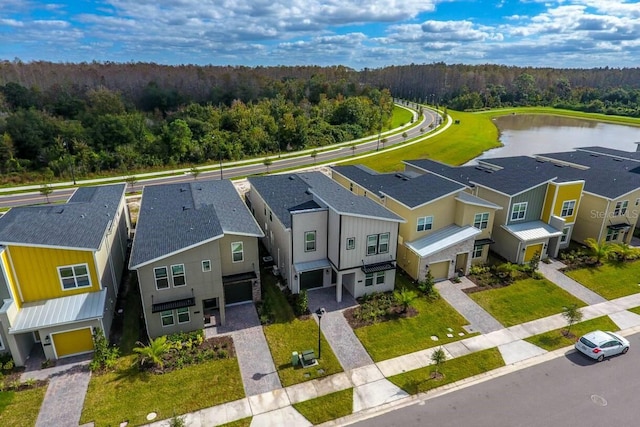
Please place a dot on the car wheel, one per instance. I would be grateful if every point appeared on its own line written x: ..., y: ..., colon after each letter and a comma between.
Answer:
x: 624, y: 350
x: 600, y: 358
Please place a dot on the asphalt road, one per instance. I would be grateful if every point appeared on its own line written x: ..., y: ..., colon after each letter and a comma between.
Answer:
x: 243, y: 170
x: 568, y: 391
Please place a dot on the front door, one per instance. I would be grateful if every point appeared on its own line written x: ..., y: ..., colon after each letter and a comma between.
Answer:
x: 461, y: 263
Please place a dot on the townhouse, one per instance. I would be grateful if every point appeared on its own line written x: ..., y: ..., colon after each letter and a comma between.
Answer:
x: 60, y: 271
x: 195, y: 251
x: 446, y: 230
x: 320, y: 234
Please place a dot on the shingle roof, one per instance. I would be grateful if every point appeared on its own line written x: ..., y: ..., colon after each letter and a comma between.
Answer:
x: 80, y: 223
x: 282, y: 192
x: 174, y: 217
x: 410, y: 190
x: 632, y: 155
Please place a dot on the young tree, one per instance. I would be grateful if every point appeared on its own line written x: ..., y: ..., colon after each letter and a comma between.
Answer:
x: 152, y: 354
x: 572, y: 315
x: 314, y: 154
x: 195, y: 172
x: 267, y: 162
x: 598, y: 250
x: 45, y: 190
x: 404, y: 297
x: 438, y: 357
x: 131, y: 180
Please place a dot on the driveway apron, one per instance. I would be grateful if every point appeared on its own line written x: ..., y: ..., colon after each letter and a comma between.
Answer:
x: 63, y: 401
x: 256, y: 364
x: 550, y: 271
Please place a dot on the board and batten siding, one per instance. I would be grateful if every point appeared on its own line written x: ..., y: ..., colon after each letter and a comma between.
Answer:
x: 535, y: 201
x: 301, y: 222
x: 360, y: 228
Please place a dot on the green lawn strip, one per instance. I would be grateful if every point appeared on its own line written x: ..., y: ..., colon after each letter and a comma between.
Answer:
x: 635, y: 310
x: 128, y: 394
x: 243, y: 422
x: 524, y: 300
x: 555, y: 339
x: 299, y: 335
x: 400, y: 117
x: 394, y: 338
x: 328, y: 407
x: 611, y: 280
x: 21, y: 408
x: 131, y: 322
x: 420, y: 380
x: 280, y: 308
x: 568, y: 113
x: 460, y: 143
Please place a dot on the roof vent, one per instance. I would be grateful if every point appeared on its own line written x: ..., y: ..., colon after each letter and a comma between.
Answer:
x: 307, y: 192
x: 186, y: 208
x: 594, y: 155
x: 182, y: 189
x: 557, y: 165
x: 81, y: 215
x: 59, y: 210
x: 617, y: 159
x: 291, y: 177
x: 488, y: 171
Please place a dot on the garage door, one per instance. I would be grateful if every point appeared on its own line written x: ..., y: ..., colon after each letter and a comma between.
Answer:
x: 72, y: 342
x: 311, y: 279
x: 440, y: 270
x: 238, y: 292
x: 531, y: 250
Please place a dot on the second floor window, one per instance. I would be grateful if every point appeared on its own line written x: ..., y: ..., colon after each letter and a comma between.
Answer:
x: 621, y: 208
x: 162, y: 278
x: 568, y: 208
x: 519, y: 211
x: 377, y: 244
x: 351, y: 243
x: 309, y: 241
x: 565, y: 235
x: 425, y: 223
x: 74, y: 276
x: 177, y: 274
x: 237, y: 252
x: 481, y: 221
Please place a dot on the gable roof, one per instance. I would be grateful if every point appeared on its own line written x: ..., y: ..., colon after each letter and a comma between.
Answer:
x: 411, y: 190
x: 284, y: 192
x: 81, y: 223
x: 175, y: 217
x: 631, y: 155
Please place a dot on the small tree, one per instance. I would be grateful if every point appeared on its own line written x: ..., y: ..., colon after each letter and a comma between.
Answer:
x: 314, y: 154
x: 572, y: 315
x: 404, y: 297
x: 384, y: 141
x: 104, y: 357
x: 598, y: 250
x: 302, y: 303
x: 404, y: 135
x: 624, y: 252
x: 45, y: 190
x: 438, y: 357
x: 195, y: 172
x: 353, y: 149
x: 426, y: 286
x: 267, y: 162
x: 152, y: 354
x: 534, y: 262
x: 131, y: 180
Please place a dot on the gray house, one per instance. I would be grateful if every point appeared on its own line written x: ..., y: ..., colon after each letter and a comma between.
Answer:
x: 320, y: 234
x: 195, y: 250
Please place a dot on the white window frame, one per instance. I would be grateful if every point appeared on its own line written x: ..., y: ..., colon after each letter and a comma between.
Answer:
x: 638, y: 201
x: 424, y: 223
x: 612, y: 235
x: 308, y: 241
x: 206, y: 265
x: 2, y: 343
x: 181, y: 312
x: 174, y: 276
x: 372, y: 243
x: 234, y: 252
x: 477, y: 251
x: 351, y: 243
x: 481, y: 220
x: 155, y: 276
x: 167, y: 314
x: 377, y: 278
x: 75, y: 276
x: 568, y: 207
x: 520, y: 213
x: 368, y: 279
x: 383, y: 243
x: 621, y: 208
x: 564, y: 238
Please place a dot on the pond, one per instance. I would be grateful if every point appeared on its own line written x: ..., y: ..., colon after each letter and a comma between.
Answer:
x: 529, y: 134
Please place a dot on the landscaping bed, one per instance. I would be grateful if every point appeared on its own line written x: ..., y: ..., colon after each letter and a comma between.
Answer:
x: 375, y: 308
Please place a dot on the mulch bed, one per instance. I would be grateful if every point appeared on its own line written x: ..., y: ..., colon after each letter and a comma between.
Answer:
x: 394, y: 313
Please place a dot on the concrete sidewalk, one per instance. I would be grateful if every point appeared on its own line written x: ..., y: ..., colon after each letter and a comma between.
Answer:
x: 551, y: 272
x: 480, y: 320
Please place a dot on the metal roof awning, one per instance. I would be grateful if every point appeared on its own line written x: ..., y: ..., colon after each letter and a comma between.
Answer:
x: 301, y: 267
x: 172, y: 305
x: 59, y: 311
x: 380, y: 266
x: 442, y: 239
x: 532, y: 230
x: 623, y: 226
x: 240, y: 277
x: 482, y: 242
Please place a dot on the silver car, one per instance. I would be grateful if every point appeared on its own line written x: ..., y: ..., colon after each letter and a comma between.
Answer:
x: 598, y: 345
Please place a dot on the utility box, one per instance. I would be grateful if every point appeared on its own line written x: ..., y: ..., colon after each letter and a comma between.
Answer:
x: 295, y: 359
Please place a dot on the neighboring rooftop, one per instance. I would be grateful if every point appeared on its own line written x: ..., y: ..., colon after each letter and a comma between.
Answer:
x: 80, y: 223
x: 631, y: 155
x: 174, y: 217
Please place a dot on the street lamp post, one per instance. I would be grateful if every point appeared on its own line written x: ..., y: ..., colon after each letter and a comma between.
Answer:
x: 320, y: 312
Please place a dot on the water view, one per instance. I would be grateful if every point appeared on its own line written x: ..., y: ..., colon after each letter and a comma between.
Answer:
x: 528, y: 134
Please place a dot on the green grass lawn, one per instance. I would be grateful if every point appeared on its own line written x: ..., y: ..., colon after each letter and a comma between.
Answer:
x: 611, y: 280
x: 131, y: 322
x: 328, y: 407
x: 559, y: 112
x: 244, y: 422
x: 419, y: 380
x: 555, y: 339
x: 394, y: 338
x: 128, y: 394
x: 400, y: 117
x: 21, y: 408
x: 524, y: 300
x: 635, y: 310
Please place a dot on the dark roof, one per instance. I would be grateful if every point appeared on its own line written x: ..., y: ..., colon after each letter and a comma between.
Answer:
x: 302, y: 190
x: 509, y: 180
x: 409, y: 190
x: 172, y: 305
x: 80, y: 223
x: 174, y: 217
x: 631, y: 155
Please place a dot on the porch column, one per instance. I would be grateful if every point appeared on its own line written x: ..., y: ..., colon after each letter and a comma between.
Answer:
x: 339, y: 288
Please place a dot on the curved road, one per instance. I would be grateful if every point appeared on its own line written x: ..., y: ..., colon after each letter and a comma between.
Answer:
x: 292, y: 161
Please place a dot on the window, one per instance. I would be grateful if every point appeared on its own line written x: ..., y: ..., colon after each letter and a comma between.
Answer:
x: 568, y: 207
x: 519, y: 211
x: 477, y: 251
x: 425, y: 223
x: 74, y: 276
x: 481, y: 221
x: 183, y: 315
x: 166, y: 317
x: 309, y: 241
x: 383, y: 243
x: 372, y: 244
x: 621, y: 208
x: 162, y: 279
x: 351, y: 187
x: 2, y: 344
x: 265, y: 210
x: 371, y: 278
x: 637, y: 201
x: 206, y: 266
x: 351, y: 243
x: 612, y: 235
x: 270, y: 215
x: 380, y: 278
x: 565, y: 235
x: 237, y: 251
x: 177, y: 274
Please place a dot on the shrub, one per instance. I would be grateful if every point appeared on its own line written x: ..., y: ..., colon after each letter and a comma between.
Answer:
x: 537, y: 275
x: 104, y: 356
x: 302, y: 303
x: 427, y: 285
x: 9, y: 365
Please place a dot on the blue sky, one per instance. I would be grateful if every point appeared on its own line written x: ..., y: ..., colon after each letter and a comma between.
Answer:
x: 354, y: 33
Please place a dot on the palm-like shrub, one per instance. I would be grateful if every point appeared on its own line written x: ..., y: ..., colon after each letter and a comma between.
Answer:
x: 598, y: 249
x: 404, y: 297
x: 151, y: 355
x: 624, y: 252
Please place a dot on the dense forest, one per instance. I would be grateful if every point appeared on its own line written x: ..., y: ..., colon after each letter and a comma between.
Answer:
x: 56, y: 118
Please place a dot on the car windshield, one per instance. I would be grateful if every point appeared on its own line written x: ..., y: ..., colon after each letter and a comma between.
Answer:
x: 588, y: 343
x: 612, y: 336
